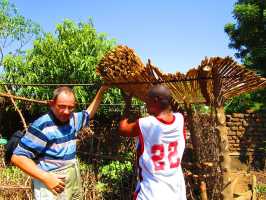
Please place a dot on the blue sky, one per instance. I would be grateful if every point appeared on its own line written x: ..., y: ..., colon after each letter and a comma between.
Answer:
x: 176, y: 35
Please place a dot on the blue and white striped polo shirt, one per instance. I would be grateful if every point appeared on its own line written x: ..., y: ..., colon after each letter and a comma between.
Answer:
x: 53, y: 144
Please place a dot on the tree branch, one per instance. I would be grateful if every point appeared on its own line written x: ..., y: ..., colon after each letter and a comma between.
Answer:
x: 17, y: 109
x: 22, y: 98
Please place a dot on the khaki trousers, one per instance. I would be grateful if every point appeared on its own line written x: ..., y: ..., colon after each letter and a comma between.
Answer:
x: 73, y: 189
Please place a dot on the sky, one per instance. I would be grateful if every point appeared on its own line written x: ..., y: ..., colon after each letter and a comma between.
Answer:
x: 175, y: 35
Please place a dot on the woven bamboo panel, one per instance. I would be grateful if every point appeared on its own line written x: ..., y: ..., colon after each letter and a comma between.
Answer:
x: 120, y: 65
x: 215, y: 80
x: 223, y: 78
x: 184, y: 88
x: 123, y: 68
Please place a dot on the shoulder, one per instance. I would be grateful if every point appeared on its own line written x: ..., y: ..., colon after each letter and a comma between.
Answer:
x: 179, y: 119
x: 179, y: 116
x: 146, y: 121
x: 83, y: 113
x: 148, y: 118
x: 43, y: 121
x: 81, y: 119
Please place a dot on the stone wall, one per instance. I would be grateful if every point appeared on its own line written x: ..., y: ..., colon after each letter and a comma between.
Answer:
x: 247, y: 135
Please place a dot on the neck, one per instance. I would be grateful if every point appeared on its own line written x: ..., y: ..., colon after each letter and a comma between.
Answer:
x: 164, y: 114
x: 166, y: 117
x: 57, y: 121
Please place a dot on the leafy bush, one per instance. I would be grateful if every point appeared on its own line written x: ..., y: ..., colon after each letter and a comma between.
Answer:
x: 254, y: 101
x: 117, y: 179
x: 115, y: 169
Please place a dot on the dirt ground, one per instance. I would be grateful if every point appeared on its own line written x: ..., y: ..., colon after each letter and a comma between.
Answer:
x: 245, y: 174
x: 244, y: 182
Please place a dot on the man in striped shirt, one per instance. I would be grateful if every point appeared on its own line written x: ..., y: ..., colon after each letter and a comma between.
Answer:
x: 47, y: 152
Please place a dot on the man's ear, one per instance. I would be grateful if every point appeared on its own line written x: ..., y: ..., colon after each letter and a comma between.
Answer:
x: 156, y: 99
x: 50, y: 102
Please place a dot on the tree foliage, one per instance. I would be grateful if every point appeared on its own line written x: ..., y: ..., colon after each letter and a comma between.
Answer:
x: 248, y: 37
x: 15, y: 30
x: 70, y: 55
x: 254, y: 101
x: 248, y: 33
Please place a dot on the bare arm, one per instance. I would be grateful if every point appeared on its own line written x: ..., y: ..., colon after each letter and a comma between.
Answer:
x: 128, y: 129
x: 96, y: 101
x: 53, y: 182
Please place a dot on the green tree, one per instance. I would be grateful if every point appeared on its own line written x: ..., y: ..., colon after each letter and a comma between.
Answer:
x: 70, y: 55
x: 248, y: 37
x: 15, y: 30
x: 248, y: 33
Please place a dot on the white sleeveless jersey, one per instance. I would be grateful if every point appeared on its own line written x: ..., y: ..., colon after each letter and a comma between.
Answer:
x: 160, y: 150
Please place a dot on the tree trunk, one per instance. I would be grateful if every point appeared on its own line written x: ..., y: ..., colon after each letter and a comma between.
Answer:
x: 193, y: 133
x: 225, y: 160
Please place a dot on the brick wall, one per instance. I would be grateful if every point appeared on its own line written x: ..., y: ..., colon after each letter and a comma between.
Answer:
x: 247, y: 132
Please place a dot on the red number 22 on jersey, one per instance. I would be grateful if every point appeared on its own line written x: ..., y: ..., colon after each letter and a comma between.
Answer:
x: 158, y: 154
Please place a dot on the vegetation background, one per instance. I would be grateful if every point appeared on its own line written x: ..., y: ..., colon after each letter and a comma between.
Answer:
x: 70, y: 55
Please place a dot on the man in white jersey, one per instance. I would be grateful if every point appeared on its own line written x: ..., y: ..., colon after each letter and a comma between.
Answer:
x: 161, y: 143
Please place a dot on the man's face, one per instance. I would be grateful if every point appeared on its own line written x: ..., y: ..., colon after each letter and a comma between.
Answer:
x: 63, y: 106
